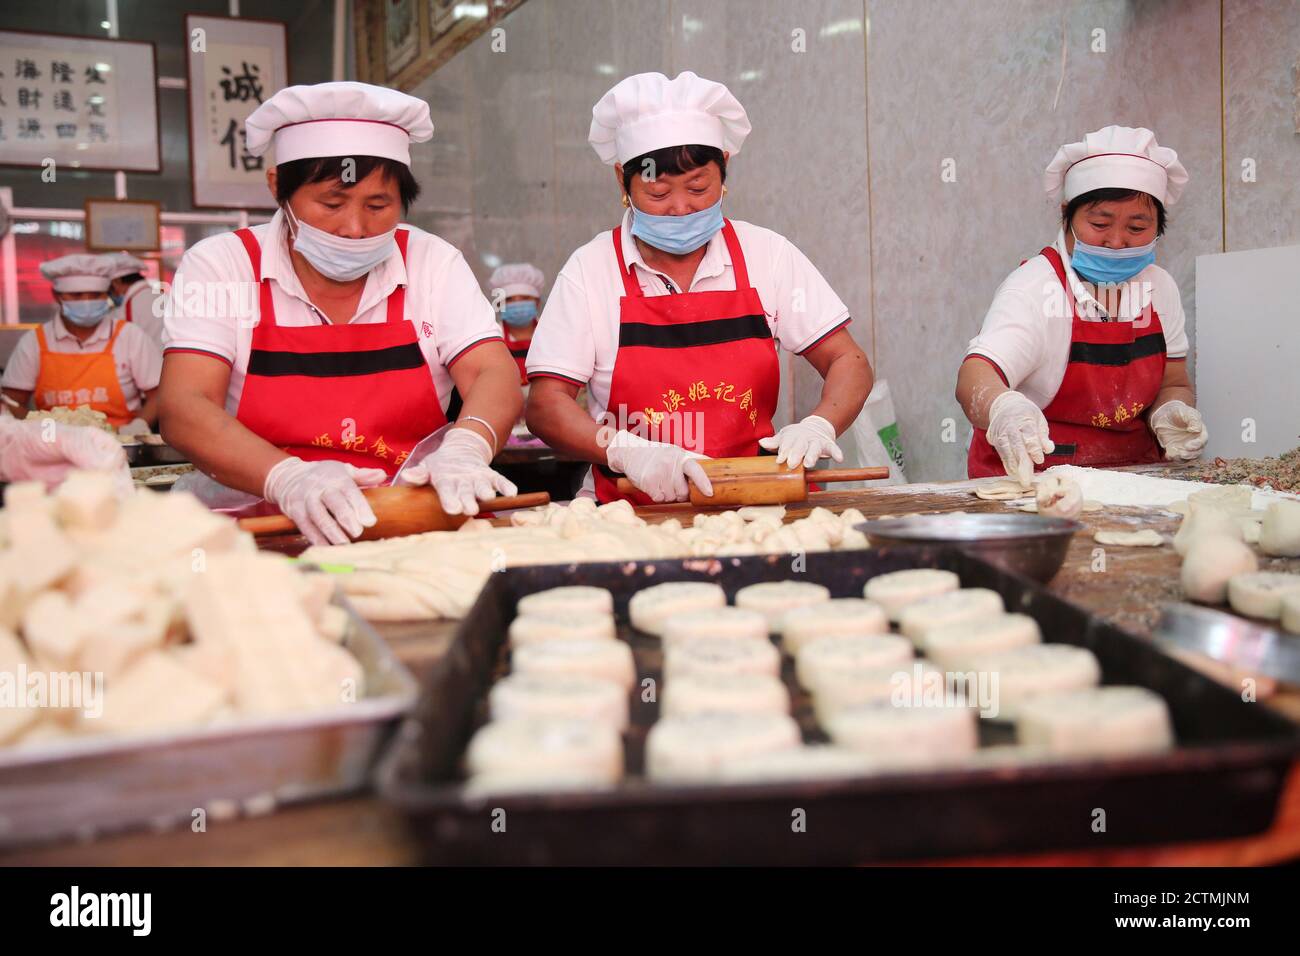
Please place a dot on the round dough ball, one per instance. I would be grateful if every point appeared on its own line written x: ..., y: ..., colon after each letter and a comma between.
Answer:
x: 836, y: 690
x: 712, y: 623
x: 773, y: 599
x: 819, y: 762
x: 532, y: 628
x: 1279, y: 533
x: 1058, y: 497
x: 1025, y: 672
x: 651, y: 607
x: 897, y: 589
x: 909, y: 736
x: 837, y: 616
x: 1098, y: 722
x: 956, y: 607
x: 952, y: 645
x: 1211, y: 563
x: 721, y: 655
x: 1260, y: 593
x: 1204, y: 518
x: 576, y: 599
x: 535, y: 696
x: 755, y: 512
x: 1146, y: 538
x: 700, y: 692
x: 685, y: 749
x: 840, y: 652
x: 605, y: 659
x: 537, y: 751
x: 1290, y: 613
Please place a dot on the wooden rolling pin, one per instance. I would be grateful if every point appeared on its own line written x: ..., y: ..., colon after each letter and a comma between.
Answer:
x: 400, y: 510
x: 761, y: 481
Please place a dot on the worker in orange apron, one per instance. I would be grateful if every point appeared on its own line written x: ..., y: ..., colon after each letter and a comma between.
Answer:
x: 84, y: 357
x: 1082, y: 357
x: 358, y: 339
x: 673, y: 319
x: 515, y: 290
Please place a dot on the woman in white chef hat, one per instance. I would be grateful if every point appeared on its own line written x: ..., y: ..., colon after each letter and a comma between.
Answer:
x: 1082, y: 358
x: 672, y: 318
x: 360, y: 337
x: 133, y: 295
x: 516, y: 292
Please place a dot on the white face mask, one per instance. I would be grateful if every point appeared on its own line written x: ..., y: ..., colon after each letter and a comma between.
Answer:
x: 335, y: 257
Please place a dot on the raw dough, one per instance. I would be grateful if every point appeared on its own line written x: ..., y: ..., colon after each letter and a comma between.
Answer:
x: 1004, y: 489
x: 773, y: 599
x: 699, y: 692
x: 714, y: 622
x: 756, y: 512
x: 1099, y: 722
x: 1205, y: 518
x: 819, y: 762
x: 533, y: 628
x: 897, y: 589
x: 838, y: 652
x: 955, y: 607
x: 1290, y: 616
x: 685, y: 749
x: 1211, y: 562
x: 721, y: 655
x: 1260, y: 593
x: 533, y: 696
x: 895, y: 735
x: 537, y: 751
x: 1025, y: 672
x: 651, y: 607
x: 837, y: 690
x: 606, y: 659
x: 1058, y: 497
x: 953, y: 645
x: 1146, y: 538
x: 1031, y: 506
x: 577, y: 599
x: 837, y: 616
x: 1279, y: 534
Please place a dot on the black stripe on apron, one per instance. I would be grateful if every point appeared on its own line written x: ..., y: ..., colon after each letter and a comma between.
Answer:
x: 519, y: 353
x: 1092, y: 353
x: 690, y: 335
x: 335, y: 364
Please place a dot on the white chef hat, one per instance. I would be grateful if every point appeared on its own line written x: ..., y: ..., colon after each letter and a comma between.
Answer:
x: 649, y: 111
x: 338, y: 119
x: 517, y: 278
x: 81, y: 272
x: 1116, y: 157
x: 123, y: 264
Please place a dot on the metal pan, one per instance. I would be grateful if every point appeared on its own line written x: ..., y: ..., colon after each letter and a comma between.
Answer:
x: 1223, y: 780
x: 1032, y: 545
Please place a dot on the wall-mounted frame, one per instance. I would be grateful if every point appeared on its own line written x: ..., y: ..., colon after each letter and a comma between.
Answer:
x: 79, y: 102
x: 131, y: 225
x: 233, y: 65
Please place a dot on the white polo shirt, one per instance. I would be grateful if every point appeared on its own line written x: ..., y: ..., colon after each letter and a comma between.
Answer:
x: 138, y: 307
x: 443, y: 299
x: 577, y: 336
x: 137, y: 358
x: 1027, y: 330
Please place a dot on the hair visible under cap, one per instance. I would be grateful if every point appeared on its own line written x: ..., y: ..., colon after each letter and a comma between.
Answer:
x: 673, y: 161
x: 1115, y: 194
x: 292, y: 176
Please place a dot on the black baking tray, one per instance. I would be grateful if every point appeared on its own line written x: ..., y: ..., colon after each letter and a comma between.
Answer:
x: 141, y: 455
x: 1222, y: 780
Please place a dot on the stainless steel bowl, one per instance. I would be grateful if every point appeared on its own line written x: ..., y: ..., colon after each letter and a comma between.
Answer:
x: 1031, y: 545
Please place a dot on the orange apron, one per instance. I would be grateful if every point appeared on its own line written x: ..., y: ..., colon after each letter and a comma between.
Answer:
x: 82, y: 378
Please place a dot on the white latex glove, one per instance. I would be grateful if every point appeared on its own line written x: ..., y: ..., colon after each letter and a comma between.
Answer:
x: 41, y: 449
x: 460, y: 472
x: 136, y: 426
x: 1180, y: 430
x: 805, y: 442
x: 659, y: 469
x: 1018, y: 431
x: 323, y: 497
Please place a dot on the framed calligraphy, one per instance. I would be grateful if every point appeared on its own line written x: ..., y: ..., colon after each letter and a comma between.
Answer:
x: 78, y: 102
x: 133, y: 225
x: 233, y: 65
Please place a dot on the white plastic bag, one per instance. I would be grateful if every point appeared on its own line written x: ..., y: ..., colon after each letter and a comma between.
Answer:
x: 874, y: 440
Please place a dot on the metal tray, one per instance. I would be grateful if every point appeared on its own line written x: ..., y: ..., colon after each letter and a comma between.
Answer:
x: 1223, y: 780
x: 140, y: 455
x: 92, y: 786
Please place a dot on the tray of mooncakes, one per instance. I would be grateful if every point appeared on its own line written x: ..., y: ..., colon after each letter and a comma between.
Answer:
x: 834, y: 708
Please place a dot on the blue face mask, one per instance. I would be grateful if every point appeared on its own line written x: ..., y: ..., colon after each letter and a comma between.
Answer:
x: 85, y: 312
x: 1101, y: 265
x: 519, y: 313
x: 678, y: 235
x: 117, y: 299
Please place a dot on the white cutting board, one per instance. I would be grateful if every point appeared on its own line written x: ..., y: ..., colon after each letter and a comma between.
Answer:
x: 1248, y: 350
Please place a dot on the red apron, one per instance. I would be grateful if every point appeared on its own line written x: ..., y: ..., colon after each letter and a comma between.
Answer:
x: 1095, y: 419
x: 692, y: 365
x: 518, y: 351
x: 360, y: 394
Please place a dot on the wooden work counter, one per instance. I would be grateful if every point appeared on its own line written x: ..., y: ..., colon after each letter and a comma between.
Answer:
x: 360, y: 830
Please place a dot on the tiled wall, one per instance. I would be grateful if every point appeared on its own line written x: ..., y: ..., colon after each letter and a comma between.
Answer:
x: 850, y: 137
